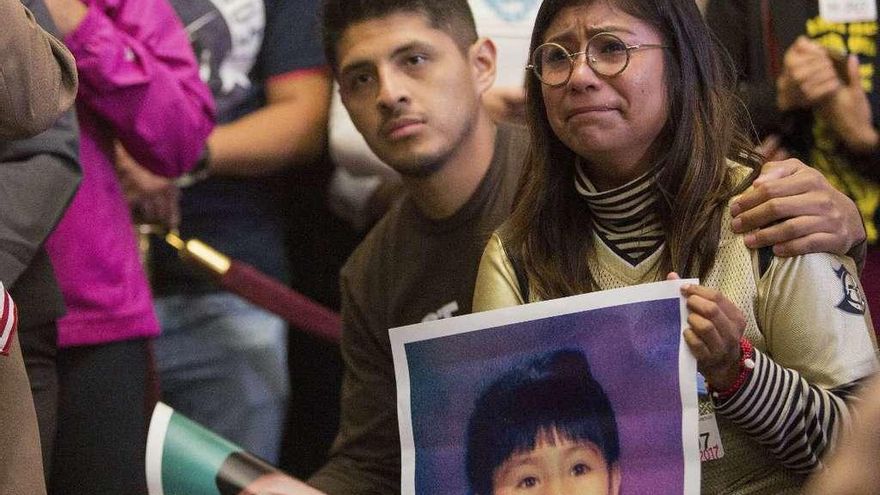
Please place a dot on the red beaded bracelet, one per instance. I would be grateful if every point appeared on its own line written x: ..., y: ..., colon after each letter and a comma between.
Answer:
x: 746, y: 365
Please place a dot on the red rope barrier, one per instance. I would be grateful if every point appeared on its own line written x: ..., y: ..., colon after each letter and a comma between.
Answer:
x: 246, y: 281
x: 299, y: 310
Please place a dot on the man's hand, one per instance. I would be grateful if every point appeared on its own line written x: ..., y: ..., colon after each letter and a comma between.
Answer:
x: 848, y: 112
x: 153, y: 199
x: 793, y: 208
x: 808, y: 76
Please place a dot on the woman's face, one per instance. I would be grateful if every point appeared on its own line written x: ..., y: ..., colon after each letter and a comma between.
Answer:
x: 612, y: 122
x: 558, y: 467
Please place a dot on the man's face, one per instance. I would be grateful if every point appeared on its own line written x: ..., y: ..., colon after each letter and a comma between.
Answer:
x: 409, y: 89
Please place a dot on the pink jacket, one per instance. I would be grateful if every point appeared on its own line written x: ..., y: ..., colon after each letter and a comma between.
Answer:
x: 139, y: 83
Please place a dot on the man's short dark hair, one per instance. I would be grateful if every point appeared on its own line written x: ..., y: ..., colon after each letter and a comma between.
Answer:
x: 451, y: 16
x: 555, y: 393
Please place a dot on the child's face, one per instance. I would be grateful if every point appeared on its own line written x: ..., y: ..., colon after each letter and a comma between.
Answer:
x: 559, y: 467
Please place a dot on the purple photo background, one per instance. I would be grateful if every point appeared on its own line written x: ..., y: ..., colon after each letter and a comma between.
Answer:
x: 633, y: 354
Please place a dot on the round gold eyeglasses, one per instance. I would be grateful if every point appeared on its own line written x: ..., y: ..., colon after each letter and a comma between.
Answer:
x: 606, y: 54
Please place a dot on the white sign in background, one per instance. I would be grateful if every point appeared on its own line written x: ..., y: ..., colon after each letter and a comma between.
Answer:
x: 848, y: 10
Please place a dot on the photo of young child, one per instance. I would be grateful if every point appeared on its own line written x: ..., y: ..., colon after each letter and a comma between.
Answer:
x: 591, y: 394
x: 546, y: 427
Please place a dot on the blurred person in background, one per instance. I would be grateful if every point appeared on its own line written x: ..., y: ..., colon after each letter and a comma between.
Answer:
x: 139, y: 85
x: 223, y: 361
x: 42, y: 174
x: 39, y: 84
x: 808, y: 76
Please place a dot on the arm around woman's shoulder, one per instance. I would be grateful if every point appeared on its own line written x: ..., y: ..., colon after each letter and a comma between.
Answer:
x: 819, y: 346
x: 497, y: 285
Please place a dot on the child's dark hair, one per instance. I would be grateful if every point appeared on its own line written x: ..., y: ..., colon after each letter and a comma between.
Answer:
x: 451, y: 16
x: 555, y: 393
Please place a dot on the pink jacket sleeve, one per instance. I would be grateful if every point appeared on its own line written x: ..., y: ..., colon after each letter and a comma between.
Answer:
x: 139, y: 74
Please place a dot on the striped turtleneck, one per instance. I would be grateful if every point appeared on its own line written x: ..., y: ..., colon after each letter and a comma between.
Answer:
x: 625, y: 217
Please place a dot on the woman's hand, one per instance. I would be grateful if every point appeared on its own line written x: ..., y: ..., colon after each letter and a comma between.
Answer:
x: 715, y: 327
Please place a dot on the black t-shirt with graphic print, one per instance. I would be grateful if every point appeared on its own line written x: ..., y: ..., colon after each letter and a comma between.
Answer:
x: 239, y: 44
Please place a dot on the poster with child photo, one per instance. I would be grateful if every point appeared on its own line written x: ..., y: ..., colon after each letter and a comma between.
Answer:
x: 588, y: 394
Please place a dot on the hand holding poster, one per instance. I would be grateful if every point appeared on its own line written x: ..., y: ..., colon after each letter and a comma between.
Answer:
x: 594, y: 393
x: 184, y: 458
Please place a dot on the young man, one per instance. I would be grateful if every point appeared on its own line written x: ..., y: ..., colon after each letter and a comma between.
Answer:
x: 411, y: 75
